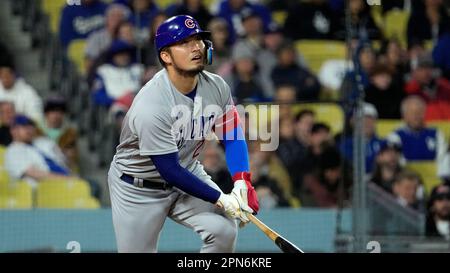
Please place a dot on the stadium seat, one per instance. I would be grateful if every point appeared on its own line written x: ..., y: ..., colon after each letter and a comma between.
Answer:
x: 428, y: 172
x: 377, y: 15
x: 4, y: 177
x: 316, y: 52
x: 164, y: 3
x: 76, y: 54
x: 429, y: 44
x: 72, y: 193
x: 396, y: 24
x: 53, y: 9
x: 17, y: 195
x: 386, y: 126
x: 2, y: 156
x: 328, y: 113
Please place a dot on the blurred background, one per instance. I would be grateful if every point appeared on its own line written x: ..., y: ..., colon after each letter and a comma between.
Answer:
x: 363, y: 89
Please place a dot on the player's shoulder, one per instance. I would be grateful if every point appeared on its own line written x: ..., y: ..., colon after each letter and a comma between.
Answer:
x: 157, y: 88
x: 213, y: 81
x: 212, y: 77
x: 154, y: 95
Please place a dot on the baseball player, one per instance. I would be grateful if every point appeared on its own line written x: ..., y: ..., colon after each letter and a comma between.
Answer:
x: 155, y: 173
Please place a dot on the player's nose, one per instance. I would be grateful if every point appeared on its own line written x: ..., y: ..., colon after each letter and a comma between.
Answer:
x: 196, y: 46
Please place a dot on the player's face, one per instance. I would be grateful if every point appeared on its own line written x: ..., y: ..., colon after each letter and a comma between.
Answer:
x: 188, y: 55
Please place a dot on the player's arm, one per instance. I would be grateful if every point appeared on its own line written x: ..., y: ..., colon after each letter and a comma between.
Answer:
x: 229, y: 130
x: 170, y: 170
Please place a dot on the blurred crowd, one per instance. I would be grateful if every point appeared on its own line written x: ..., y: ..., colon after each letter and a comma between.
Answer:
x: 403, y: 78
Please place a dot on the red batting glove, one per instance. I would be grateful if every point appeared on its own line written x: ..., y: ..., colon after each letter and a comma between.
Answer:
x: 252, y: 198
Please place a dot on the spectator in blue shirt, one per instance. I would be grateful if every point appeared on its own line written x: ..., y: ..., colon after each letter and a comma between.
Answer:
x: 232, y: 10
x: 78, y: 21
x: 373, y: 143
x: 418, y: 141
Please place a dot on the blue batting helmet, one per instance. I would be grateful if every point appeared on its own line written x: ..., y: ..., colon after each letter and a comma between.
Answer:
x: 180, y: 27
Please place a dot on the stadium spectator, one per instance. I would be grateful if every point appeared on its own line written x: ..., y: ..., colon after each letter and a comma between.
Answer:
x: 433, y: 89
x: 143, y: 12
x: 318, y: 21
x: 384, y: 93
x: 232, y: 11
x: 14, y: 88
x: 30, y: 157
x: 78, y: 21
x: 100, y: 40
x: 441, y: 54
x: 149, y: 55
x: 387, y: 167
x: 332, y: 73
x: 308, y: 161
x: 253, y: 40
x: 408, y: 191
x: 327, y: 184
x: 57, y: 128
x: 419, y: 142
x: 244, y: 80
x: 124, y: 32
x: 360, y: 19
x: 289, y: 72
x: 293, y: 151
x: 118, y: 79
x: 7, y: 114
x: 438, y: 214
x: 270, y: 179
x: 367, y: 60
x: 222, y: 53
x: 285, y: 96
x: 395, y: 58
x: 373, y: 143
x: 428, y: 20
x: 304, y: 122
x: 194, y: 8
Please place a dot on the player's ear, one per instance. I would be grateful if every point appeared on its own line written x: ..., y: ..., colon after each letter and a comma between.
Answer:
x: 165, y: 57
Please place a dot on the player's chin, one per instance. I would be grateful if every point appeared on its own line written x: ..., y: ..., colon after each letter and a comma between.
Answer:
x: 197, y: 68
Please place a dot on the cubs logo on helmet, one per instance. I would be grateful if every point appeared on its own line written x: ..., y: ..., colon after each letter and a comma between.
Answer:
x: 177, y: 28
x: 189, y: 23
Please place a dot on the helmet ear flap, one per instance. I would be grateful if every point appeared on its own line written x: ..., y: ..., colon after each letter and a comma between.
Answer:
x: 208, y: 52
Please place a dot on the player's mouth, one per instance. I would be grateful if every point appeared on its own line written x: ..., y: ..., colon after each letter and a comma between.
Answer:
x: 197, y: 58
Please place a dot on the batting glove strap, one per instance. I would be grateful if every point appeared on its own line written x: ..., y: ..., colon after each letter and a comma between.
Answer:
x: 251, y: 197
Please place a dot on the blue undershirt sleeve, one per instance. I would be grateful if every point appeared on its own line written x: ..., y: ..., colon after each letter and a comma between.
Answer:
x: 170, y: 169
x: 236, y: 151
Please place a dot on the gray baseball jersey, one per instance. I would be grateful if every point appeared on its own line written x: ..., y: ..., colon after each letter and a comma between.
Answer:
x: 162, y: 120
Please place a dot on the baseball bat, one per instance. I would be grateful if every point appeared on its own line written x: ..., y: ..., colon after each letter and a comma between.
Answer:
x: 282, y: 243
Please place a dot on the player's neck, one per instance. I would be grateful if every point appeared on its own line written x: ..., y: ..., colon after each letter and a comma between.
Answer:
x: 184, y: 84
